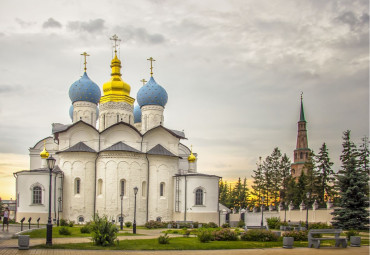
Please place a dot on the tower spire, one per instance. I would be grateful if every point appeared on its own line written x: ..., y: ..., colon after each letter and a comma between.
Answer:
x: 85, y: 62
x: 301, y: 117
x: 151, y: 65
x: 115, y: 39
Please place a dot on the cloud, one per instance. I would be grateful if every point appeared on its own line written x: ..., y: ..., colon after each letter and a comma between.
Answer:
x: 24, y: 24
x: 354, y: 21
x: 92, y: 26
x: 140, y: 35
x: 51, y: 23
x: 9, y: 88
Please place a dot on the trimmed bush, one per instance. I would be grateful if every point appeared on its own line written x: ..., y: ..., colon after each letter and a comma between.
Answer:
x: 165, y: 239
x: 104, y: 231
x: 298, y: 235
x: 64, y: 231
x: 273, y: 222
x: 210, y: 225
x: 63, y: 223
x: 128, y: 224
x: 319, y: 225
x: 260, y: 235
x: 352, y: 232
x: 225, y: 234
x: 85, y: 229
x: 71, y: 223
x: 241, y: 224
x: 204, y: 235
x: 155, y: 224
x: 225, y: 225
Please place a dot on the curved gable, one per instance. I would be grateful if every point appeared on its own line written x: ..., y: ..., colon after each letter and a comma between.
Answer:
x: 121, y: 132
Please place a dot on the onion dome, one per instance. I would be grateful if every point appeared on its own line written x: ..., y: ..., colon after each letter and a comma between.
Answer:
x: 84, y: 89
x: 44, y: 154
x: 137, y: 114
x: 71, y: 112
x: 152, y: 94
x: 191, y: 157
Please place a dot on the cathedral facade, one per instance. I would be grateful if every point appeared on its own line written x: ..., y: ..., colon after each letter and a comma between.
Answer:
x: 97, y: 168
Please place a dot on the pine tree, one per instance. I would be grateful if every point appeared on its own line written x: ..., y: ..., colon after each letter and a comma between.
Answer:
x: 285, y: 166
x: 312, y: 175
x: 276, y: 178
x: 325, y: 175
x: 236, y: 195
x: 244, y: 194
x: 352, y: 183
x: 364, y: 155
x: 258, y: 181
x: 292, y: 191
x: 301, y: 189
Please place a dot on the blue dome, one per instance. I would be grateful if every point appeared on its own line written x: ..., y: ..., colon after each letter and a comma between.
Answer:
x: 71, y: 112
x: 84, y: 90
x: 152, y: 94
x: 137, y: 114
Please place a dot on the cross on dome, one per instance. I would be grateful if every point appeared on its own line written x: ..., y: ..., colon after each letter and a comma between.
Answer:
x: 115, y: 39
x: 85, y: 55
x: 143, y: 81
x: 151, y: 65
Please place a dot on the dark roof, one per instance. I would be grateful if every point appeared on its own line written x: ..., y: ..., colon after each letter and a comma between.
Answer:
x: 79, y: 147
x: 42, y: 170
x: 160, y: 150
x: 180, y: 134
x: 301, y: 117
x: 198, y: 174
x: 120, y: 146
x: 176, y: 133
x: 122, y: 123
x: 58, y: 127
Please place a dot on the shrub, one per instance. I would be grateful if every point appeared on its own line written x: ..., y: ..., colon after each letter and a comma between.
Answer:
x: 210, y: 225
x: 261, y: 235
x: 63, y: 222
x: 186, y: 232
x: 237, y: 231
x: 128, y: 224
x: 241, y: 224
x: 225, y: 234
x: 273, y: 222
x: 71, y: 223
x: 319, y: 225
x: 225, y: 225
x: 155, y: 224
x: 104, y: 231
x: 85, y: 229
x: 195, y: 224
x: 165, y: 239
x: 352, y: 232
x: 298, y: 235
x: 64, y: 231
x: 204, y: 235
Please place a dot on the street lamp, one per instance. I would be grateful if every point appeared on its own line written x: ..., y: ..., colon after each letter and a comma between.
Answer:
x: 134, y: 225
x: 59, y: 200
x: 263, y: 199
x: 49, y: 227
x: 308, y: 196
x: 121, y: 218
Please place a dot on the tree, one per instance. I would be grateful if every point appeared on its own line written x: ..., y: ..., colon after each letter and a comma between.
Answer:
x: 285, y: 166
x: 301, y: 189
x: 325, y: 174
x: 312, y: 176
x: 276, y: 176
x: 224, y: 196
x: 352, y: 183
x: 258, y: 181
x: 364, y: 155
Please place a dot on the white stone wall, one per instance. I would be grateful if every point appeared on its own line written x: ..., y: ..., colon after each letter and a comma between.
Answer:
x: 162, y: 137
x: 111, y: 113
x: 151, y: 116
x: 79, y: 133
x: 85, y: 111
x: 51, y: 147
x: 119, y: 133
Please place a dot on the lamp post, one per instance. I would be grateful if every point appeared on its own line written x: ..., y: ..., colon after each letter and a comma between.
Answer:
x: 59, y: 200
x: 308, y: 196
x: 134, y: 225
x: 121, y: 219
x: 49, y: 227
x: 262, y: 199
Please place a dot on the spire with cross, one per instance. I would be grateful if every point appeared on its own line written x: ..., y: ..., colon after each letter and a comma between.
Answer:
x: 151, y: 65
x: 115, y: 39
x: 85, y: 62
x: 143, y: 81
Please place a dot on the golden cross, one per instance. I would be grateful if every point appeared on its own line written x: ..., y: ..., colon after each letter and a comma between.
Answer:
x: 85, y: 55
x: 151, y: 65
x: 143, y: 81
x: 115, y: 39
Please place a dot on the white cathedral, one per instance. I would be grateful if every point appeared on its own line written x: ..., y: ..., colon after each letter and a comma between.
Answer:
x: 97, y: 168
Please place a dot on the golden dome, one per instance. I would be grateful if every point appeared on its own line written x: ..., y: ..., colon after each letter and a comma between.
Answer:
x: 44, y: 154
x: 116, y: 86
x: 191, y: 157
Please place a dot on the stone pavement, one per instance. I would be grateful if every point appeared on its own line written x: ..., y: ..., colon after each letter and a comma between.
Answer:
x: 13, y: 228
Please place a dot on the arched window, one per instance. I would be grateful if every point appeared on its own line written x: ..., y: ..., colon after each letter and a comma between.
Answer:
x: 143, y: 189
x: 37, y: 195
x: 77, y: 186
x: 161, y: 189
x: 100, y: 186
x: 199, y: 197
x: 159, y: 219
x: 123, y: 187
x: 80, y: 219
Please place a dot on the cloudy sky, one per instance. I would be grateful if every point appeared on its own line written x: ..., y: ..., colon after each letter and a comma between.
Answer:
x: 233, y: 69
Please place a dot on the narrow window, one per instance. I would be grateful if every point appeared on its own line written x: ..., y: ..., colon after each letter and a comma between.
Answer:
x: 159, y: 219
x: 81, y: 219
x: 161, y: 189
x: 143, y: 189
x: 77, y: 185
x: 301, y: 155
x: 306, y: 155
x: 37, y: 195
x: 100, y: 186
x: 117, y: 118
x: 199, y: 197
x: 123, y: 187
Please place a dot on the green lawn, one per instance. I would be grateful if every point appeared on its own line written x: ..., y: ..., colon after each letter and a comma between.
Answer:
x: 75, y: 232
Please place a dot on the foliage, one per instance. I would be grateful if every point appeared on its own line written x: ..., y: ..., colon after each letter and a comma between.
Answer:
x: 195, y: 224
x: 165, y: 239
x: 186, y: 232
x: 85, y: 229
x: 210, y: 225
x: 273, y: 222
x: 71, y: 223
x: 352, y: 232
x: 241, y: 224
x: 104, y: 231
x: 128, y: 224
x: 325, y: 175
x: 155, y: 224
x: 63, y: 222
x: 204, y: 235
x: 319, y: 225
x: 225, y: 225
x: 298, y: 235
x: 261, y: 235
x: 1, y: 208
x: 225, y: 234
x: 353, y: 185
x: 64, y: 231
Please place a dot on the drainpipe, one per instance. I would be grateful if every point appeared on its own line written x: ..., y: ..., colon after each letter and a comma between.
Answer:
x: 55, y: 190
x: 95, y: 170
x: 147, y: 183
x: 186, y: 185
x: 218, y: 202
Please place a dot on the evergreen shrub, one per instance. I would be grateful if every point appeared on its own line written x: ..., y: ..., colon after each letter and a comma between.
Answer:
x: 128, y: 224
x: 210, y: 225
x: 204, y: 235
x: 225, y: 225
x: 260, y: 235
x: 298, y: 235
x: 273, y: 222
x: 104, y: 231
x: 64, y: 231
x: 319, y: 225
x: 165, y: 239
x: 241, y: 224
x: 85, y: 229
x: 63, y: 222
x: 71, y: 223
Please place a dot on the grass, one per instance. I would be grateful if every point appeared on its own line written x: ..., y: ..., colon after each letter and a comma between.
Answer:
x: 75, y: 232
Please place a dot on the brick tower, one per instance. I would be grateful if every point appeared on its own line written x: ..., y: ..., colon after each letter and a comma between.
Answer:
x: 302, y: 151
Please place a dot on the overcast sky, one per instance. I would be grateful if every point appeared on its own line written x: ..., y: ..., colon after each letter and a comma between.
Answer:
x: 233, y: 70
